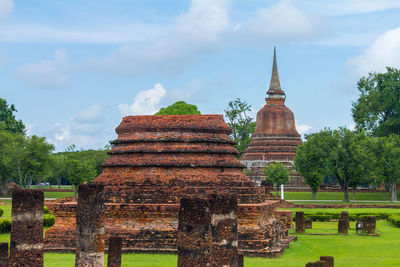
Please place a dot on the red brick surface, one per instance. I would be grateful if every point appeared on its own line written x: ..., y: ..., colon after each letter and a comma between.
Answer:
x: 156, y: 161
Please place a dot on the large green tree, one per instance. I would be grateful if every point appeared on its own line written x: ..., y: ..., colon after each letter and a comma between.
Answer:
x: 241, y: 122
x: 277, y: 174
x: 179, y: 108
x: 311, y: 158
x: 377, y: 108
x: 8, y: 122
x: 388, y: 158
x: 348, y: 156
x: 80, y: 171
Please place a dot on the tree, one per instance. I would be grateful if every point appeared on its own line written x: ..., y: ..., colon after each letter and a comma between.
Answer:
x: 179, y: 108
x: 11, y: 156
x: 388, y: 156
x: 277, y: 174
x: 377, y: 109
x: 345, y: 154
x: 80, y: 171
x: 7, y: 118
x: 242, y: 124
x: 311, y: 157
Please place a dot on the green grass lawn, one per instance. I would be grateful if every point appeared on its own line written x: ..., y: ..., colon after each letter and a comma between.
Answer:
x: 378, y: 196
x: 348, y: 250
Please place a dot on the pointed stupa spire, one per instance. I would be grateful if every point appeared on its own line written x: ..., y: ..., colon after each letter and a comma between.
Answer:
x: 275, y: 85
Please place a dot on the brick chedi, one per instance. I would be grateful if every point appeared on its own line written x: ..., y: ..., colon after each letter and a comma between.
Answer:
x: 156, y: 161
x: 275, y: 137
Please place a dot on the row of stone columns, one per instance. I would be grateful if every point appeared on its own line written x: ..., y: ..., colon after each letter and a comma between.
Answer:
x: 207, y: 232
x: 26, y: 246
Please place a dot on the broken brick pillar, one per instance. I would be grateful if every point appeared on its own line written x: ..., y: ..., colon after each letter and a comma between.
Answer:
x: 345, y: 216
x: 300, y: 224
x: 114, y: 252
x: 241, y: 260
x: 308, y: 223
x: 194, y: 233
x: 223, y: 212
x: 329, y: 260
x: 366, y: 224
x: 316, y: 264
x: 3, y: 254
x: 26, y: 247
x: 90, y: 226
x: 342, y: 226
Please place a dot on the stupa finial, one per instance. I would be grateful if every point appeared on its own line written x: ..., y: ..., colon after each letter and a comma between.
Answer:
x: 275, y: 85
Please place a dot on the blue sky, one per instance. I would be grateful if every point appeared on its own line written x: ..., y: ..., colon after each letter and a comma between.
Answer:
x: 74, y: 68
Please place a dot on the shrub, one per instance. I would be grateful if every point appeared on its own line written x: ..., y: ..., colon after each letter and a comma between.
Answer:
x: 45, y: 210
x: 5, y: 225
x: 329, y: 216
x: 48, y: 220
x: 395, y: 219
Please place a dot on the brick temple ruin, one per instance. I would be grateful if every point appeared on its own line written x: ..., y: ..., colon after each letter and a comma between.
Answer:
x: 156, y: 161
x: 275, y: 138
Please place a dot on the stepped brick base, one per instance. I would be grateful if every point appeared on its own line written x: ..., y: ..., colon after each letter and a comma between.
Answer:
x: 153, y: 228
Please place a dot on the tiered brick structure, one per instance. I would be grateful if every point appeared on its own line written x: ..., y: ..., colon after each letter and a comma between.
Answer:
x: 156, y: 161
x: 275, y: 137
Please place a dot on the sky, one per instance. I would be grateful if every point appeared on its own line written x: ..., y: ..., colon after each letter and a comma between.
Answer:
x: 73, y: 69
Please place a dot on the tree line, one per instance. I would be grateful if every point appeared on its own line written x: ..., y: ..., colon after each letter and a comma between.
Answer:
x: 30, y: 159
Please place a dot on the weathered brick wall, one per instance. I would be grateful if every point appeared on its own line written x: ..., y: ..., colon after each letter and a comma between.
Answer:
x: 156, y: 161
x: 26, y: 246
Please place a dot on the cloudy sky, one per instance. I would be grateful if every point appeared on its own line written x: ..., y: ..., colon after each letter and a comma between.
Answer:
x: 75, y: 68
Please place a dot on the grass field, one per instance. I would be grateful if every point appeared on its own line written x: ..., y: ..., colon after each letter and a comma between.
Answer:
x: 348, y: 250
x: 376, y: 196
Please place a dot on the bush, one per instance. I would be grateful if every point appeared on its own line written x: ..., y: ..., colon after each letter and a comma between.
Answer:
x: 5, y: 225
x: 45, y: 210
x: 48, y: 220
x: 395, y: 219
x: 329, y: 216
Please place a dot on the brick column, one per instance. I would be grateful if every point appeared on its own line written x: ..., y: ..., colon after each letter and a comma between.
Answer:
x: 329, y: 261
x: 26, y: 247
x: 3, y: 254
x: 308, y: 223
x: 241, y: 260
x: 345, y: 216
x: 316, y: 264
x: 90, y: 226
x: 342, y: 226
x: 300, y: 224
x: 114, y: 252
x: 194, y: 233
x: 224, y: 209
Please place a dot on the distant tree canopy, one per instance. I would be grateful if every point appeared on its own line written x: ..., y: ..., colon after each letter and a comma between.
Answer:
x: 8, y: 122
x: 277, y: 174
x: 179, y: 108
x: 242, y: 124
x: 377, y: 109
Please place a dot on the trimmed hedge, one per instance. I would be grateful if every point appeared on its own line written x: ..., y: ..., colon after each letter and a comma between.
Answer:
x: 395, y: 219
x: 5, y: 223
x: 329, y: 216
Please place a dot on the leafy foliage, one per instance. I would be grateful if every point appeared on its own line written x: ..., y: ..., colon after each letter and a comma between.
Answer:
x: 277, y: 174
x: 179, y: 108
x: 242, y: 124
x: 388, y: 161
x: 377, y: 109
x: 7, y: 118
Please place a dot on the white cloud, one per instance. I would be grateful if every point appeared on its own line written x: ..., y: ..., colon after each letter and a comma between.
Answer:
x: 281, y: 22
x: 349, y: 7
x: 145, y: 102
x: 303, y: 128
x: 6, y: 8
x: 93, y: 114
x: 46, y: 73
x: 194, y: 32
x: 383, y: 52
